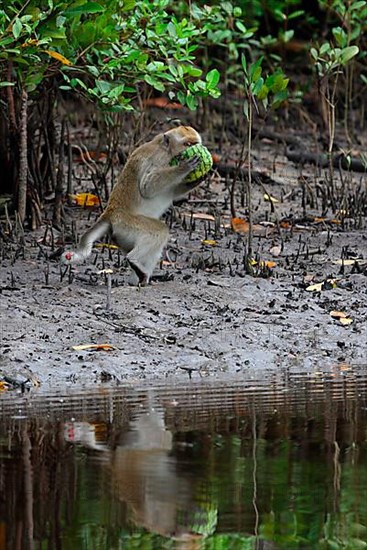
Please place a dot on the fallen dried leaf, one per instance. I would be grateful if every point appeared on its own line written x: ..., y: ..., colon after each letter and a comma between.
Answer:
x: 239, y: 225
x: 106, y: 245
x: 324, y: 285
x: 345, y: 321
x: 104, y: 347
x: 275, y: 250
x: 269, y: 198
x: 85, y: 199
x: 3, y: 386
x: 202, y: 216
x: 346, y: 262
x: 337, y: 314
x: 209, y: 242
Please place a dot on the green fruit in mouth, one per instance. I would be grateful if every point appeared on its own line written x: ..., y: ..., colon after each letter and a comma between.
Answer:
x: 206, y: 162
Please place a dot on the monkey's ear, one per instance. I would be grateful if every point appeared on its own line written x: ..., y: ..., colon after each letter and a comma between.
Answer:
x: 166, y: 140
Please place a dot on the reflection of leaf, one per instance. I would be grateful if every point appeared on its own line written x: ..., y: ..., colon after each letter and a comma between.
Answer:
x: 239, y: 225
x: 85, y: 199
x: 105, y: 347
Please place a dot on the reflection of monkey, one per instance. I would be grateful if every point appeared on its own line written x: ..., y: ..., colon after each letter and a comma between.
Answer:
x: 146, y: 187
x: 144, y: 475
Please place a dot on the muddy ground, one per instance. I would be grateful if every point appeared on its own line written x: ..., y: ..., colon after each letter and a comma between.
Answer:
x: 204, y: 316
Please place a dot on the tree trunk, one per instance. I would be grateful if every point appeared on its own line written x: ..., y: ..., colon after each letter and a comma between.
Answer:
x: 23, y: 159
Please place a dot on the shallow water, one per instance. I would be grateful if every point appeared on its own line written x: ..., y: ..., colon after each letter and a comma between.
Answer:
x: 279, y: 462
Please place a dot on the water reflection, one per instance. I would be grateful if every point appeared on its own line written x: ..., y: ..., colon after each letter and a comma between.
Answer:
x: 276, y: 463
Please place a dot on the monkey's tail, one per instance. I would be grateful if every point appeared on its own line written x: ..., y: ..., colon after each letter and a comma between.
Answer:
x: 99, y: 229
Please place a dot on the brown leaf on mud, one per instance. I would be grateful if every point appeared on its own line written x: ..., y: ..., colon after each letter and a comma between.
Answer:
x: 239, y: 225
x: 345, y: 321
x: 209, y: 242
x: 94, y: 347
x: 341, y: 317
x: 263, y: 263
x: 346, y: 262
x: 201, y: 216
x: 337, y: 314
x: 269, y: 198
x: 3, y: 386
x: 106, y: 245
x: 275, y: 250
x: 324, y: 285
x: 85, y: 199
x: 285, y: 225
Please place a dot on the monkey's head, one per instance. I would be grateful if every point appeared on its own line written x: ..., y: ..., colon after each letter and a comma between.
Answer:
x: 178, y: 139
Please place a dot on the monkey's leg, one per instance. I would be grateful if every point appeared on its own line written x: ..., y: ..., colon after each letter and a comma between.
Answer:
x: 149, y: 237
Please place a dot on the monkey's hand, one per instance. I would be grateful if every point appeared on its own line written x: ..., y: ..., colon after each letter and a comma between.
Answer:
x: 188, y: 165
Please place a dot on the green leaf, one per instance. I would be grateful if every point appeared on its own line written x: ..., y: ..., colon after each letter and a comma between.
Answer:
x: 88, y: 7
x: 257, y: 85
x: 244, y: 63
x: 340, y: 36
x: 314, y: 53
x: 295, y: 14
x: 255, y: 69
x: 191, y: 102
x: 213, y: 78
x: 347, y: 54
x: 128, y: 5
x: 156, y: 84
x: 357, y: 5
x: 263, y: 92
x: 279, y: 98
x: 325, y: 48
x: 17, y: 28
x: 5, y: 83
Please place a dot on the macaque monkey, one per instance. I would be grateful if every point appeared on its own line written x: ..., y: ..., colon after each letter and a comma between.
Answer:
x: 145, y: 189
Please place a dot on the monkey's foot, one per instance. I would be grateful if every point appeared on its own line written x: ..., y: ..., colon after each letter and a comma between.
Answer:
x: 143, y: 278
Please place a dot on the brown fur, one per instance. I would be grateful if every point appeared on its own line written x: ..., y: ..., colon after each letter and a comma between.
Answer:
x: 146, y: 187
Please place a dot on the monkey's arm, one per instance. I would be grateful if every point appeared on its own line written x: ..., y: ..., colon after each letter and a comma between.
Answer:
x: 183, y: 188
x: 154, y: 182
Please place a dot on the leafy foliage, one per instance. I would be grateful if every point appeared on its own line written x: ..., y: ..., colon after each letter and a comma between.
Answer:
x: 104, y: 50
